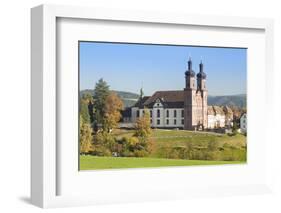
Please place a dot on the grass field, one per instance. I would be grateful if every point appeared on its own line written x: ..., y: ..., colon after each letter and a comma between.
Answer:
x: 165, y: 142
x: 181, y: 137
x: 172, y: 138
x: 94, y: 163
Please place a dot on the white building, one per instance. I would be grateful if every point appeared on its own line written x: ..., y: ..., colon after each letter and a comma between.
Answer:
x: 165, y: 108
x: 216, y: 117
x: 243, y: 123
x: 228, y: 116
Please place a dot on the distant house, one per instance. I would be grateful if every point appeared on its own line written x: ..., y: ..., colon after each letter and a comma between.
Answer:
x: 216, y: 117
x: 243, y: 123
x: 228, y: 116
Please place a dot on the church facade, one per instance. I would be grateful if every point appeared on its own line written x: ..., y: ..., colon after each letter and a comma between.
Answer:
x: 185, y: 109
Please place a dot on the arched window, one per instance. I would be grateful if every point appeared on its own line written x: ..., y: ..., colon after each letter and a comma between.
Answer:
x: 158, y: 113
x: 167, y: 113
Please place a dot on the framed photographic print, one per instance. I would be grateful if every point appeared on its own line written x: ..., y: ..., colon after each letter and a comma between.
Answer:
x: 148, y: 106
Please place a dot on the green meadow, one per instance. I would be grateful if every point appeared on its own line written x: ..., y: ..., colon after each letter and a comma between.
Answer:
x: 175, y: 148
x: 89, y: 162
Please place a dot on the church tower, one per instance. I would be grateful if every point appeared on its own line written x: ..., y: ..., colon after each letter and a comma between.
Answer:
x: 202, y: 90
x: 189, y: 93
x: 189, y: 76
x: 201, y: 78
x: 195, y: 99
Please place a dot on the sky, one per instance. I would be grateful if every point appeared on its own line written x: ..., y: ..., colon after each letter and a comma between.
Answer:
x: 128, y: 67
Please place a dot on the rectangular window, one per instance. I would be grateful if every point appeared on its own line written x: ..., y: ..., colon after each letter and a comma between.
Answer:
x: 158, y: 122
x: 175, y: 121
x: 167, y: 113
x: 138, y: 113
x: 182, y: 122
x: 167, y: 122
x: 158, y: 113
x: 175, y: 113
x: 182, y: 113
x: 151, y: 113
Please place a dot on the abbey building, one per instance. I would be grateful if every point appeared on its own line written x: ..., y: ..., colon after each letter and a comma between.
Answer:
x: 186, y: 109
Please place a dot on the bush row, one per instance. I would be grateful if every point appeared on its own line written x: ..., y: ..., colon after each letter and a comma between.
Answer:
x: 212, y: 152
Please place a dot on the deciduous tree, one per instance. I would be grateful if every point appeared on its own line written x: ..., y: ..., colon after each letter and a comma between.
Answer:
x: 86, y: 137
x: 84, y: 111
x: 143, y: 131
x: 112, y: 111
x: 142, y: 127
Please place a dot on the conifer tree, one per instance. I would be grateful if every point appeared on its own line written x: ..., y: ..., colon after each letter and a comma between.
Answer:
x: 101, y: 92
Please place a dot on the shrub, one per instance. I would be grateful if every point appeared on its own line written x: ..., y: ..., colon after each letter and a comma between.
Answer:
x: 104, y: 144
x: 127, y: 153
x: 163, y: 152
x: 213, y: 145
x: 140, y: 153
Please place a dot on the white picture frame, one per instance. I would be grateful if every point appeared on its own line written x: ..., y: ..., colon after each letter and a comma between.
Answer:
x: 46, y: 170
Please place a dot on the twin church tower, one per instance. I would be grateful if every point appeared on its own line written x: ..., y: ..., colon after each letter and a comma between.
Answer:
x: 186, y: 109
x: 195, y: 99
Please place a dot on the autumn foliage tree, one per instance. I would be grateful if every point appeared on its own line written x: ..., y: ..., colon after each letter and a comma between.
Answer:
x: 86, y: 137
x: 142, y: 127
x: 84, y: 110
x: 112, y: 111
x: 143, y: 131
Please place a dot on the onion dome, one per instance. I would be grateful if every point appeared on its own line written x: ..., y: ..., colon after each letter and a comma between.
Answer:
x: 190, y: 72
x: 201, y: 73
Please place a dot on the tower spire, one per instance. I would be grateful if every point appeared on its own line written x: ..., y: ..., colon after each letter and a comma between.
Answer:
x: 141, y: 91
x: 201, y: 66
x: 189, y: 76
x: 189, y: 64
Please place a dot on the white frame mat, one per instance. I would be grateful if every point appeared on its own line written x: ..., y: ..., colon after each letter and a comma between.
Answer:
x: 47, y: 171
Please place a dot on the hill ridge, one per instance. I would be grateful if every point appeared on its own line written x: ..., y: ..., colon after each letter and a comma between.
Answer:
x: 130, y: 98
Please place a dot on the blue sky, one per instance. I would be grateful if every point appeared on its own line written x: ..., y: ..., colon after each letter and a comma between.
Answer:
x: 128, y: 67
